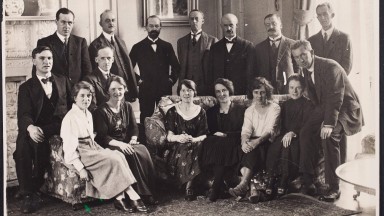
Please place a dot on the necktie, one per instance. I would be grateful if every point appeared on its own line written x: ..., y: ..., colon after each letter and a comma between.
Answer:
x: 112, y: 41
x: 45, y: 80
x: 194, y: 41
x: 325, y: 37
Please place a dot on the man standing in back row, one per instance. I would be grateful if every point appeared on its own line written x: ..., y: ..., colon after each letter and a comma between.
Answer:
x: 231, y: 57
x: 193, y: 51
x: 273, y: 56
x: 154, y: 58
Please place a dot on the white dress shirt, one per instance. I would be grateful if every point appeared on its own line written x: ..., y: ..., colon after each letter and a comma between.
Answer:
x: 46, y: 86
x: 230, y: 45
x: 109, y: 37
x: 198, y: 35
x: 329, y: 32
x: 154, y: 46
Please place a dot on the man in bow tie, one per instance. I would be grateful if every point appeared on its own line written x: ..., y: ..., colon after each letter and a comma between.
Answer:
x: 70, y: 52
x: 193, y: 52
x: 158, y: 65
x: 337, y: 112
x: 43, y: 100
x: 273, y: 58
x: 231, y: 57
x: 121, y: 65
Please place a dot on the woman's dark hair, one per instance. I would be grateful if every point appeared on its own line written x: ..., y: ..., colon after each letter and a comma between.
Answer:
x: 296, y: 77
x: 189, y: 84
x: 117, y: 79
x: 257, y: 83
x: 81, y: 85
x: 227, y: 83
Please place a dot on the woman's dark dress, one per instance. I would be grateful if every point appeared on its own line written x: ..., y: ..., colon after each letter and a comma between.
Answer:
x: 225, y: 151
x: 183, y: 159
x: 122, y: 126
x: 285, y: 161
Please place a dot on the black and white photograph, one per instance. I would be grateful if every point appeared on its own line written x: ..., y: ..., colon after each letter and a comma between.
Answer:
x: 191, y: 107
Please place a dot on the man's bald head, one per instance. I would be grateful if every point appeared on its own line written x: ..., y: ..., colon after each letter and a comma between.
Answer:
x: 229, y: 24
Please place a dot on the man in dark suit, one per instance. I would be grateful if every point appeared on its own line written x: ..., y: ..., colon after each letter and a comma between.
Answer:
x: 231, y: 57
x: 43, y: 100
x: 100, y: 76
x: 337, y: 112
x: 70, y: 52
x: 193, y: 52
x: 333, y: 44
x: 154, y: 58
x: 273, y: 59
x: 121, y: 65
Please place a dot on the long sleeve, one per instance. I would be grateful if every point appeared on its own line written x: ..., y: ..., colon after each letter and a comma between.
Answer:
x: 347, y: 58
x: 86, y: 67
x: 70, y: 134
x: 175, y: 66
x: 101, y: 127
x: 25, y: 116
x: 273, y: 120
x: 247, y: 128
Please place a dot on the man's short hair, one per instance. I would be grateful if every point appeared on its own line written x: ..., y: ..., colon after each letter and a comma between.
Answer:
x: 299, y: 43
x: 153, y: 16
x: 105, y: 11
x: 197, y: 10
x: 103, y: 47
x: 326, y: 4
x: 271, y: 15
x: 40, y: 49
x: 64, y: 11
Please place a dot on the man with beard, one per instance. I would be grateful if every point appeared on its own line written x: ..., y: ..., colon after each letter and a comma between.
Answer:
x: 193, y: 51
x: 337, y: 112
x: 273, y: 58
x: 231, y: 57
x: 70, y: 52
x: 154, y: 58
x: 121, y: 65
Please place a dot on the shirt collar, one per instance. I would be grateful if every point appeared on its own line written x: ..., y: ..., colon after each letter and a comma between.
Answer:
x: 43, y: 77
x: 105, y: 73
x: 329, y: 31
x: 196, y: 32
x: 230, y: 39
x: 152, y: 39
x: 312, y: 68
x: 108, y: 36
x: 61, y: 37
x: 274, y: 39
x: 80, y: 112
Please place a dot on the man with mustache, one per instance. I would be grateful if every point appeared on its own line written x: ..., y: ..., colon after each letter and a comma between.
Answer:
x: 70, y: 52
x: 158, y: 65
x: 231, y: 57
x: 273, y: 58
x: 333, y: 44
x: 337, y: 112
x: 43, y: 100
x: 193, y: 51
x: 121, y: 65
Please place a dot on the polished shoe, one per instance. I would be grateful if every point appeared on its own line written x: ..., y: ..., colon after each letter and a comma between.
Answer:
x: 332, y: 196
x: 213, y: 195
x: 150, y: 200
x: 239, y: 191
x: 30, y: 204
x: 281, y: 191
x: 190, y: 195
x: 308, y: 190
x: 139, y: 205
x: 254, y: 196
x: 123, y: 206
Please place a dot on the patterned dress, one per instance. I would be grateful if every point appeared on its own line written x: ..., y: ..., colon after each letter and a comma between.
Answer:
x: 183, y: 158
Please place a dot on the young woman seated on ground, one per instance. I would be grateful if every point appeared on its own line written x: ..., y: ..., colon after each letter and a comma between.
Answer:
x: 105, y: 171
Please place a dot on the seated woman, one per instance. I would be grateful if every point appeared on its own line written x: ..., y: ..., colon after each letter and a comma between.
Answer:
x: 221, y: 151
x: 105, y: 171
x: 259, y: 128
x: 186, y: 124
x: 116, y: 129
x: 284, y: 151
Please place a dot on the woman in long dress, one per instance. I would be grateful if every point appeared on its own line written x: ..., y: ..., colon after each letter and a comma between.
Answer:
x: 221, y: 151
x: 116, y: 129
x: 259, y: 129
x: 186, y: 124
x: 105, y: 171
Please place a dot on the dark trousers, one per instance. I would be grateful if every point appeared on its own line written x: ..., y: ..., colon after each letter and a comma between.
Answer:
x: 32, y: 160
x: 147, y: 106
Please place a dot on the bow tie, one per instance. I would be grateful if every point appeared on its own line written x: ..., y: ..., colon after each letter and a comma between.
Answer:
x: 273, y: 41
x: 230, y: 41
x: 45, y: 80
x: 154, y: 42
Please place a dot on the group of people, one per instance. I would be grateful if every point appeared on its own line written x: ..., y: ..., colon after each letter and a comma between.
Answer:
x: 78, y: 91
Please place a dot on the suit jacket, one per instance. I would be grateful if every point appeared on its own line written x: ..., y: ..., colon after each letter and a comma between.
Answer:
x: 154, y: 67
x: 30, y: 103
x: 99, y: 83
x: 285, y: 63
x: 239, y: 64
x: 79, y: 64
x: 335, y: 96
x: 129, y: 76
x: 338, y: 48
x: 182, y: 52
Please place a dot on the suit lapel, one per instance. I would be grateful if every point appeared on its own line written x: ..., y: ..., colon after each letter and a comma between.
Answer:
x: 282, y: 49
x: 318, y: 70
x: 204, y: 42
x: 37, y: 93
x: 331, y: 42
x: 72, y: 47
x: 101, y: 81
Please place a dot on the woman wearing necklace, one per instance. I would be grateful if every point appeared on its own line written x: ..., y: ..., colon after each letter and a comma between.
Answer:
x: 106, y: 172
x: 221, y: 151
x: 186, y: 124
x: 259, y: 129
x: 116, y: 129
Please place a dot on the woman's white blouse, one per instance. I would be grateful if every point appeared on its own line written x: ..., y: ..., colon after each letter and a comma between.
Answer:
x: 76, y: 124
x: 256, y: 124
